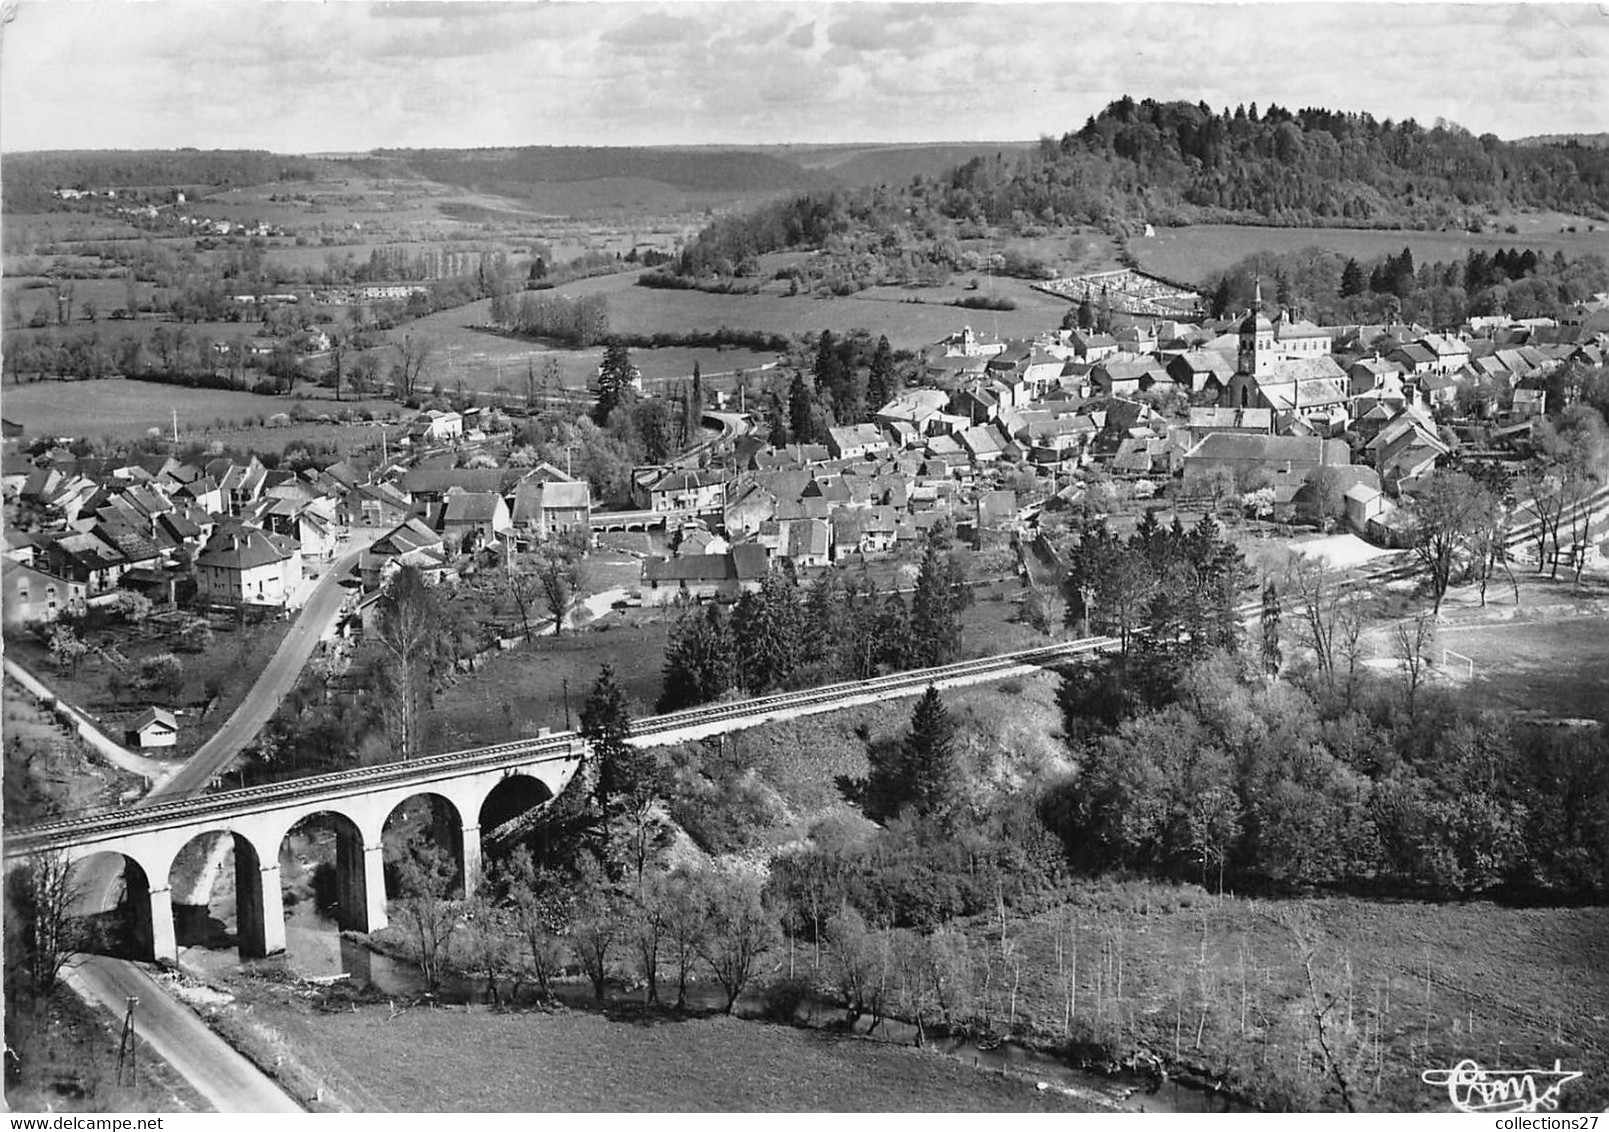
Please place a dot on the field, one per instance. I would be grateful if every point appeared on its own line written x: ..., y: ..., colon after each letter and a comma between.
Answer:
x: 1191, y: 254
x: 463, y: 1060
x: 1549, y: 656
x: 114, y: 407
x: 883, y: 310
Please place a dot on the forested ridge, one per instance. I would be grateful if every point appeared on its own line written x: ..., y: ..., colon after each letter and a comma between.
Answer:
x: 1182, y: 163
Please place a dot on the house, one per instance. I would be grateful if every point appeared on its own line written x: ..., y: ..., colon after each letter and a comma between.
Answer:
x: 436, y: 426
x: 1450, y: 352
x: 685, y: 492
x: 374, y: 505
x: 1301, y: 386
x: 243, y: 565
x: 913, y: 407
x: 1090, y: 347
x: 982, y: 443
x: 475, y: 517
x: 1246, y: 456
x: 1438, y: 388
x: 704, y: 577
x: 806, y: 543
x: 552, y: 509
x: 1375, y: 376
x: 410, y: 543
x: 1257, y: 422
x: 1414, y: 358
x: 748, y: 506
x: 155, y: 727
x: 30, y: 597
x: 1195, y: 370
x: 855, y: 441
x: 86, y: 559
x: 1530, y: 403
x: 1126, y: 378
x: 1364, y: 504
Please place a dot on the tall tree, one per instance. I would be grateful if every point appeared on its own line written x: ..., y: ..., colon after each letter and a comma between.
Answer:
x: 42, y: 929
x: 614, y: 381
x: 700, y: 658
x: 738, y: 933
x: 882, y: 383
x: 801, y: 410
x: 410, y: 631
x: 936, y: 606
x: 413, y: 359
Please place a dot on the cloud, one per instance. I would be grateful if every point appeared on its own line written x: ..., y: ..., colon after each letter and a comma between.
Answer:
x: 803, y: 36
x: 655, y: 30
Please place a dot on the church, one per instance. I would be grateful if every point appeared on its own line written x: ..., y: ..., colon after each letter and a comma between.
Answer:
x: 1284, y: 365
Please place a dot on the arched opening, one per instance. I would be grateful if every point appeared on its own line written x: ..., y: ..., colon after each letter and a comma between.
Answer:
x: 508, y: 813
x: 201, y: 882
x: 329, y: 881
x: 113, y: 894
x: 514, y: 798
x: 418, y: 821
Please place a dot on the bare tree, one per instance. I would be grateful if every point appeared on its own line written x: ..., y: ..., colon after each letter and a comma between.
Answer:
x: 596, y: 929
x: 1447, y: 517
x: 413, y: 356
x: 410, y: 632
x: 1414, y: 640
x: 558, y: 568
x: 42, y: 931
x: 426, y: 878
x: 740, y: 933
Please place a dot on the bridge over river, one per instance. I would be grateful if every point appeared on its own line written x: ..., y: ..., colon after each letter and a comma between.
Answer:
x: 478, y: 797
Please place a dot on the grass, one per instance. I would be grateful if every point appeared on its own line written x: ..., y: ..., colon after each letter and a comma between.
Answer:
x: 1544, y: 658
x: 462, y: 1060
x: 521, y: 690
x: 1193, y: 253
x: 112, y: 406
x: 1222, y: 982
x: 67, y: 1062
x: 47, y: 769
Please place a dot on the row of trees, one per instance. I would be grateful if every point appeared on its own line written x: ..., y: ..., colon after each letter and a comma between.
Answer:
x: 1332, y: 289
x: 785, y: 635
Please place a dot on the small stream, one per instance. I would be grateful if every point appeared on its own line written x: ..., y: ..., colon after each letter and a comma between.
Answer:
x: 315, y: 949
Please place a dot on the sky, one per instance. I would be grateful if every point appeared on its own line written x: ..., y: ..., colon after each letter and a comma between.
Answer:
x: 295, y: 76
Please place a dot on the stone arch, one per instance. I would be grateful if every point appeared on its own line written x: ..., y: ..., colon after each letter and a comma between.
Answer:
x: 324, y: 855
x: 438, y: 819
x: 201, y: 912
x: 113, y: 890
x: 513, y: 795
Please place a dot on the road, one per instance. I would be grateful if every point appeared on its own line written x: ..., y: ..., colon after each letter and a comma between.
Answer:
x: 227, y: 1080
x: 263, y: 700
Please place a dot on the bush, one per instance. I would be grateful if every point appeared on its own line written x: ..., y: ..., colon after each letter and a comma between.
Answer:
x: 780, y: 1000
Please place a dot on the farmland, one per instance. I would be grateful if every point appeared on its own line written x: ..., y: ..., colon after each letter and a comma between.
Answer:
x: 476, y: 1060
x: 1192, y: 254
x: 112, y: 406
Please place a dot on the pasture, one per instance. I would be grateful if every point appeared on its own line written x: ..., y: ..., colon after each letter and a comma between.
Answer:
x: 1192, y: 254
x: 115, y: 407
x: 424, y: 1060
x: 880, y: 310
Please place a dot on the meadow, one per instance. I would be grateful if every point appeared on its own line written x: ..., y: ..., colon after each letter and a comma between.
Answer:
x: 475, y: 1060
x: 1194, y: 253
x: 115, y: 407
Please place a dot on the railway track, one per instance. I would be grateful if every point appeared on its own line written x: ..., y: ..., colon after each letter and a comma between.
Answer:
x: 561, y: 746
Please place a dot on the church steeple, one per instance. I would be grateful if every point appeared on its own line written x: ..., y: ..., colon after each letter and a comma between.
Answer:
x: 1255, y: 330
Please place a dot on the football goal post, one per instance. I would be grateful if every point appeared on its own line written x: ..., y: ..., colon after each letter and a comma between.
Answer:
x: 1469, y: 665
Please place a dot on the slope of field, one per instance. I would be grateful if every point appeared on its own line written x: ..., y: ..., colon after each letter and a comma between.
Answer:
x: 115, y: 406
x: 480, y: 1061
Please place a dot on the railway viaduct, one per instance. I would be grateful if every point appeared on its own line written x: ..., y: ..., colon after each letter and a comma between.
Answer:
x: 484, y: 793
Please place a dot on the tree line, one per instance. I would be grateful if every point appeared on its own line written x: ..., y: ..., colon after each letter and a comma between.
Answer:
x: 787, y: 635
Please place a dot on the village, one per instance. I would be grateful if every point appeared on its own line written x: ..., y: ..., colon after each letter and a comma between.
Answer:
x: 1263, y: 420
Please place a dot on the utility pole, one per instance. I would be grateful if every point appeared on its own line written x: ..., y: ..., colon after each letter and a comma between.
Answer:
x: 128, y: 1050
x: 175, y: 425
x: 567, y: 703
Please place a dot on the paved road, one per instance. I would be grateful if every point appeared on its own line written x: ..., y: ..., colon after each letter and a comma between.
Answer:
x: 263, y: 700
x: 227, y: 1080
x: 110, y: 749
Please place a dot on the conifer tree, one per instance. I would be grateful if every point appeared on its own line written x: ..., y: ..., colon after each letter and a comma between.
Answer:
x: 801, y: 406
x: 882, y: 383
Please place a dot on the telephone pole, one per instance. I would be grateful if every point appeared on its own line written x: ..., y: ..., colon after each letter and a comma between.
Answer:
x: 128, y: 1049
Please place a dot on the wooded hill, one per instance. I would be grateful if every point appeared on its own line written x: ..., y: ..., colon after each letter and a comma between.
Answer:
x: 1182, y: 163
